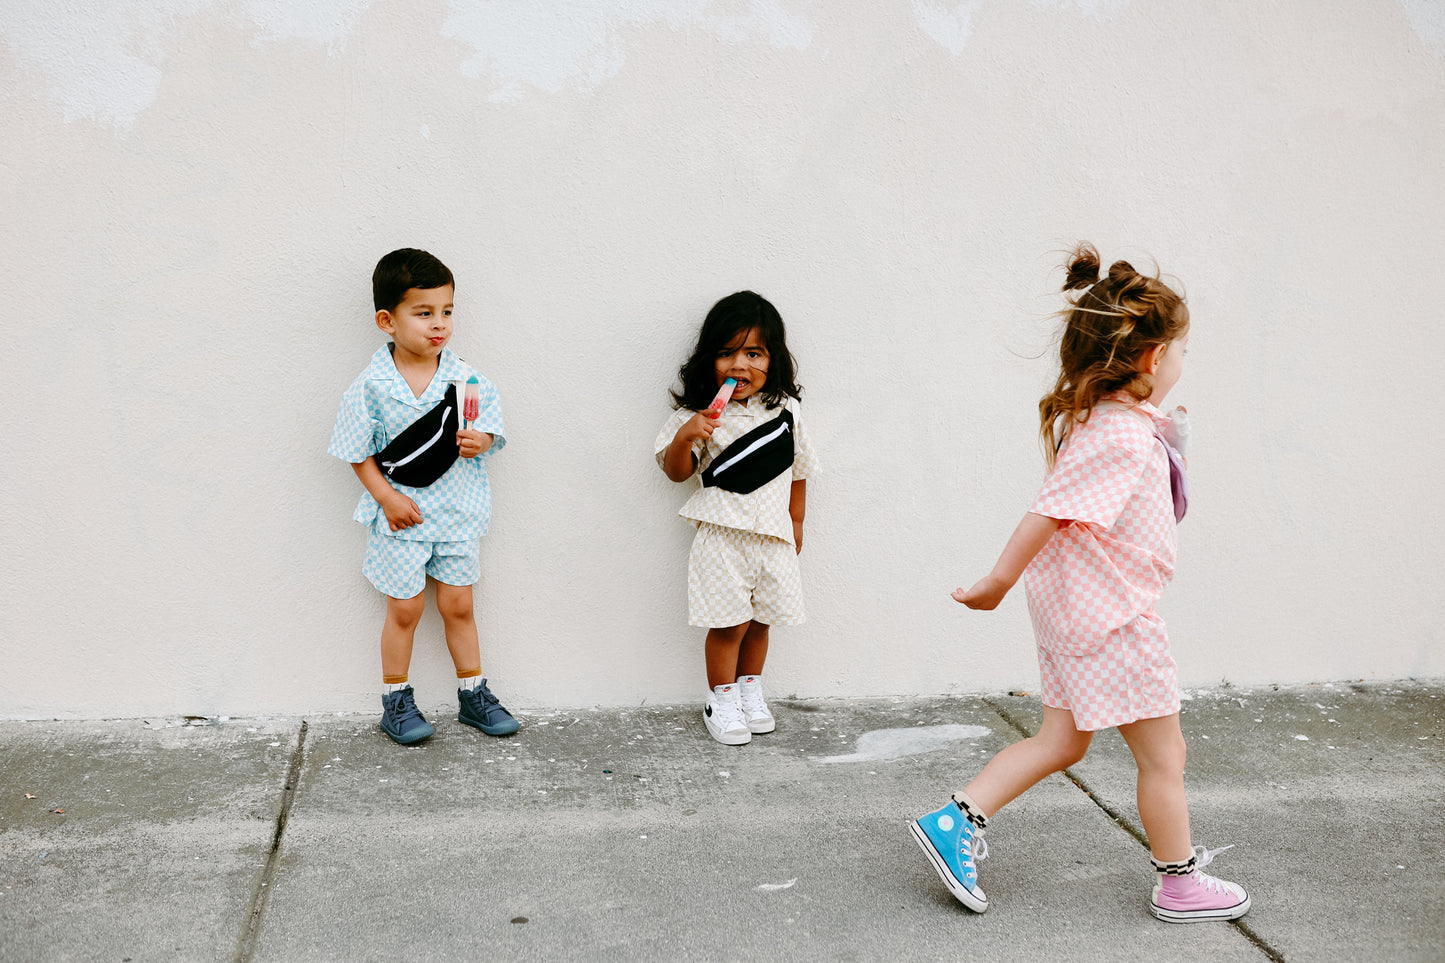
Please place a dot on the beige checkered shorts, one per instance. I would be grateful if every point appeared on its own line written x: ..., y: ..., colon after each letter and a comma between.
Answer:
x: 735, y: 576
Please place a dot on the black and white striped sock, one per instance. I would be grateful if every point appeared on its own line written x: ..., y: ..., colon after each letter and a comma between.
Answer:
x: 1182, y: 868
x: 971, y: 809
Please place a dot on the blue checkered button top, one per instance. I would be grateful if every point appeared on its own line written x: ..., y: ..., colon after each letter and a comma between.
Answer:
x: 380, y: 405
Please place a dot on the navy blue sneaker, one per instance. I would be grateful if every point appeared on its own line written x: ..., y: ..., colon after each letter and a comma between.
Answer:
x: 401, y: 719
x: 952, y: 843
x: 481, y: 709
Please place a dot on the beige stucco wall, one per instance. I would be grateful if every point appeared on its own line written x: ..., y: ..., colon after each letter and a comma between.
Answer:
x: 195, y: 192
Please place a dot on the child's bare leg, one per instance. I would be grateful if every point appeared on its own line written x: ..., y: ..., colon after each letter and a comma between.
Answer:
x: 753, y: 651
x: 721, y: 653
x: 459, y: 618
x: 1056, y: 746
x: 1182, y: 893
x: 953, y: 844
x: 397, y: 634
x: 478, y: 707
x: 1159, y: 750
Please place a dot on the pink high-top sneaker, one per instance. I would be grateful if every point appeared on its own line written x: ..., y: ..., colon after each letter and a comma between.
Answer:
x: 1183, y: 894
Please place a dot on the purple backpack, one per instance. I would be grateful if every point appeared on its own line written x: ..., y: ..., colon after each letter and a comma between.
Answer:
x: 1178, y: 479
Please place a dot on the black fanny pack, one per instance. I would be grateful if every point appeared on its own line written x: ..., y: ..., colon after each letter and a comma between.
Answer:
x: 754, y: 459
x: 426, y: 449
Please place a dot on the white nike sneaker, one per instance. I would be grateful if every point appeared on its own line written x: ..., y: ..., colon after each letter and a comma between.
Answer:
x: 755, y: 710
x: 723, y: 714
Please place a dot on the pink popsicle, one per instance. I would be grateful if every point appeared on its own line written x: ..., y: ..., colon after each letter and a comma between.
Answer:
x: 721, y: 401
x: 471, y: 404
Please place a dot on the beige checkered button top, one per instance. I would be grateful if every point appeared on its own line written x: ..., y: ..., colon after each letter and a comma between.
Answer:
x: 764, y: 511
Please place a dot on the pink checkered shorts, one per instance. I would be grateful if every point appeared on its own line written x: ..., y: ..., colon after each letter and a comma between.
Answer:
x: 1131, y: 676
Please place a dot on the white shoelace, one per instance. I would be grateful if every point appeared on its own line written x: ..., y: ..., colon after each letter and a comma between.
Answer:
x: 753, y: 702
x: 977, y: 849
x: 1204, y: 857
x: 729, y: 715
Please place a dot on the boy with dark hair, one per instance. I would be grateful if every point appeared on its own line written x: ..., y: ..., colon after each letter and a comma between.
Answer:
x: 427, y: 498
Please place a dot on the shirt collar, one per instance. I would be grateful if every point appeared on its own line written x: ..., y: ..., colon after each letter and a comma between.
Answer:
x: 1143, y: 407
x: 449, y: 368
x: 452, y: 368
x: 755, y: 405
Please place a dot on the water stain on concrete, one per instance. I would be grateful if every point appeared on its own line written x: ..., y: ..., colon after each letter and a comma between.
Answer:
x: 885, y: 744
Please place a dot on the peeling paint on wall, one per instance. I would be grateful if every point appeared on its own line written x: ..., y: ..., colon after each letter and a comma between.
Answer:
x: 522, y: 44
x: 104, y: 62
x: 951, y: 26
x: 101, y: 63
x: 1098, y: 9
x: 1427, y: 17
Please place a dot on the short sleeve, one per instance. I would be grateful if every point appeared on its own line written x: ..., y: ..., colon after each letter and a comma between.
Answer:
x: 489, y: 417
x: 805, y: 457
x: 669, y: 431
x: 1097, y: 472
x: 353, y: 438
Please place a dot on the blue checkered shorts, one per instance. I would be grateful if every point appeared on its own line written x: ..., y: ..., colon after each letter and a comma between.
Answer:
x: 398, y: 567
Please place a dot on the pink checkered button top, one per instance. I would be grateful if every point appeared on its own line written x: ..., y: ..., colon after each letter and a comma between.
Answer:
x: 1111, y: 559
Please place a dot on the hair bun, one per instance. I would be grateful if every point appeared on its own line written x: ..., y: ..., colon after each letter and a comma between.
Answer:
x: 1083, y: 267
x: 1121, y: 269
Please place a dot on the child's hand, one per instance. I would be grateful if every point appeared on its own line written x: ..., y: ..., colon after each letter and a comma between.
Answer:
x: 986, y: 594
x: 472, y: 443
x: 401, y: 512
x: 698, y: 428
x: 1177, y: 431
x: 679, y: 463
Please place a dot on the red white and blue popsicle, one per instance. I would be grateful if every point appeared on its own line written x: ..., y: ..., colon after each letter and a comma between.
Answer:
x: 714, y: 410
x: 472, y: 401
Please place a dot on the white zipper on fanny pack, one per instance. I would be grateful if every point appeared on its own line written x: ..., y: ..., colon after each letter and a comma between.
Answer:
x: 716, y: 469
x: 391, y: 466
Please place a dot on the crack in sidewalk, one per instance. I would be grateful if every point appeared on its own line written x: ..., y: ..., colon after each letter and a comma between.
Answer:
x: 268, y: 872
x: 1125, y: 824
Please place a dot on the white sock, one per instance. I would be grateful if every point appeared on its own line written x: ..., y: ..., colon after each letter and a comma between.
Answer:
x: 470, y: 683
x: 389, y: 687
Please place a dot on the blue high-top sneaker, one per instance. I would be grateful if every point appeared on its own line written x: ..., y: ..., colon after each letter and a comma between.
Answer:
x: 401, y: 719
x: 952, y: 844
x: 479, y: 708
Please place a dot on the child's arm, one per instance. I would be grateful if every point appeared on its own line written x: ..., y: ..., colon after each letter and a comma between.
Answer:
x: 401, y: 512
x: 1027, y: 541
x: 797, y: 506
x: 679, y: 463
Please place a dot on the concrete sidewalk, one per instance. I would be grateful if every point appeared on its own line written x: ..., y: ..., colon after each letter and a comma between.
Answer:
x: 629, y: 834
